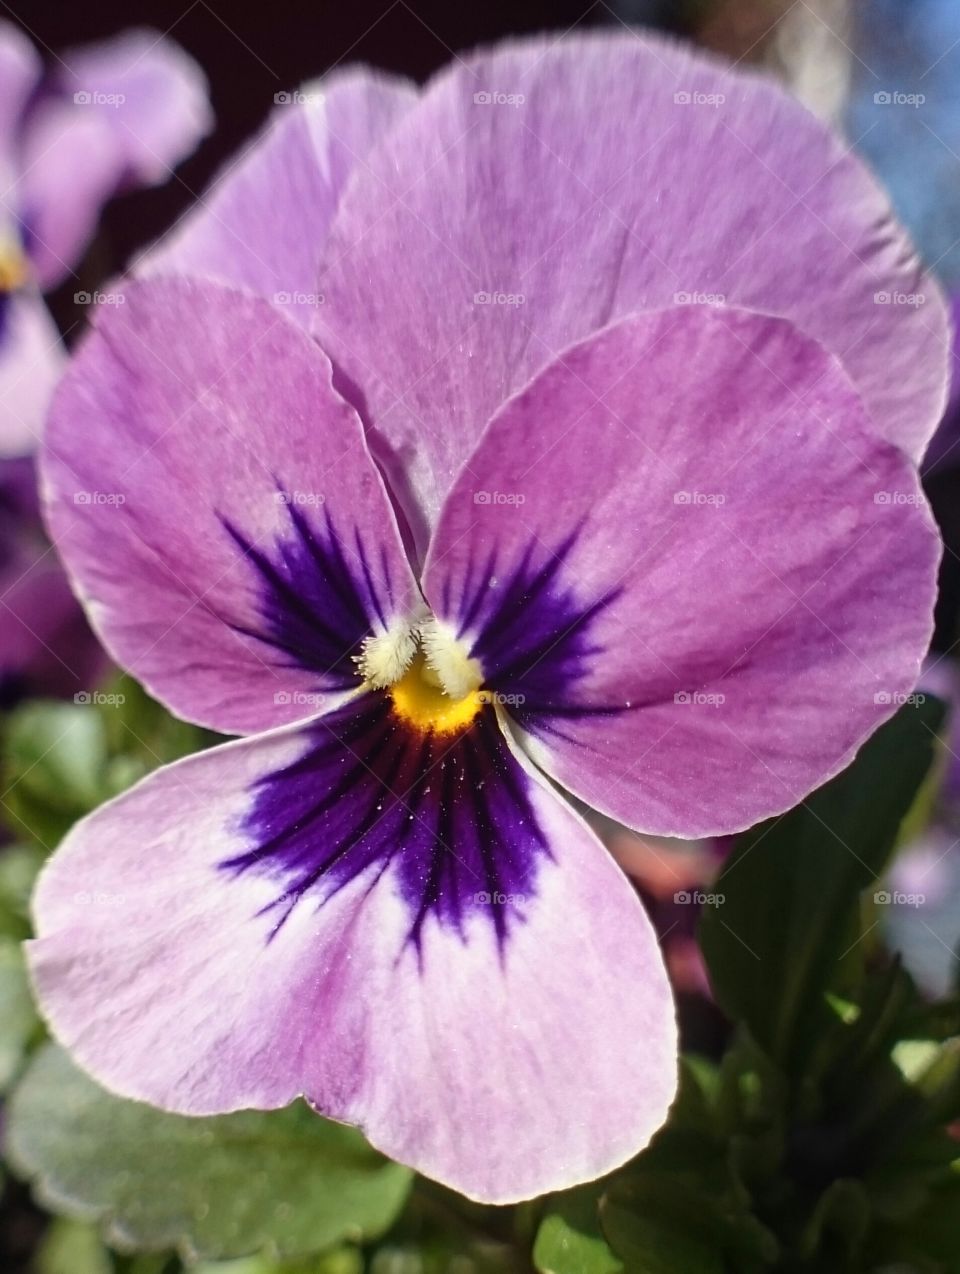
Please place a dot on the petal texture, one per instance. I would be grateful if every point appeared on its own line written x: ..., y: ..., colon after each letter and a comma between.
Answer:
x: 265, y: 222
x: 541, y: 189
x: 690, y: 568
x: 214, y: 501
x: 504, y: 1069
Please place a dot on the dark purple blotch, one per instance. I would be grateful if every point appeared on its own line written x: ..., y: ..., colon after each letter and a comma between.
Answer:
x: 317, y: 597
x: 449, y: 816
x: 533, y: 635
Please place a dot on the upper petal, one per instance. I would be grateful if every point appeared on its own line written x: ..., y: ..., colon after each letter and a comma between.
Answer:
x: 20, y: 69
x: 417, y: 935
x: 265, y: 222
x: 543, y: 188
x: 214, y: 502
x: 693, y: 570
x: 118, y: 114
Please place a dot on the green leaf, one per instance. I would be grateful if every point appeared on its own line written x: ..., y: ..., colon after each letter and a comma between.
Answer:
x: 19, y: 865
x: 18, y: 1017
x: 839, y: 1223
x: 569, y: 1240
x: 72, y: 1247
x: 141, y: 734
x: 53, y: 760
x: 286, y: 1182
x: 345, y: 1260
x: 61, y: 760
x: 660, y: 1227
x: 791, y: 888
x: 930, y: 1240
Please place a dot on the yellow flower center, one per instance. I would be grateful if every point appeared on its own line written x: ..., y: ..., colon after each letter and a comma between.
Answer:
x: 13, y: 266
x: 420, y: 700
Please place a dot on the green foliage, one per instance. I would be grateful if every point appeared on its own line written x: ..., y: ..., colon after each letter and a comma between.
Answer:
x: 570, y: 1240
x: 792, y: 888
x: 286, y: 1181
x: 18, y: 1017
x: 61, y: 760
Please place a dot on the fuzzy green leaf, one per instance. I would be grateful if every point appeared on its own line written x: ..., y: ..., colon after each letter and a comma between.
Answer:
x: 285, y: 1182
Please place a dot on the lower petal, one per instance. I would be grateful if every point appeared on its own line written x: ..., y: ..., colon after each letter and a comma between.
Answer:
x: 185, y: 960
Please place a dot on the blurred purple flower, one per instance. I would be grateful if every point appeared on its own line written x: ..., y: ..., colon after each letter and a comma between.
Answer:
x: 100, y: 120
x: 921, y: 911
x: 46, y: 646
x: 605, y: 313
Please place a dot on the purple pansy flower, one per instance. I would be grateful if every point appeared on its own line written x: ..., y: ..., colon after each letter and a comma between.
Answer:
x: 434, y: 551
x: 101, y: 119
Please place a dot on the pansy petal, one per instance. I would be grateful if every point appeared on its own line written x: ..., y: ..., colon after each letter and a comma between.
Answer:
x: 20, y: 69
x: 544, y: 188
x: 214, y: 501
x: 696, y: 575
x: 265, y: 221
x: 31, y: 360
x: 119, y: 114
x: 315, y: 911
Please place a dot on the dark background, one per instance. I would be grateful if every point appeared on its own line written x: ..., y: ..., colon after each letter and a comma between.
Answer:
x: 252, y: 50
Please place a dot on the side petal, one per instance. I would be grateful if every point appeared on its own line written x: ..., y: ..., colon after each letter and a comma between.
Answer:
x: 31, y: 361
x: 265, y: 222
x: 690, y: 569
x: 20, y: 69
x: 545, y: 188
x: 119, y: 114
x: 188, y: 957
x: 214, y: 502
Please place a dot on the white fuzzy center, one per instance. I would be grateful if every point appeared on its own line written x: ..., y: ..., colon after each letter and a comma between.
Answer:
x: 385, y: 658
